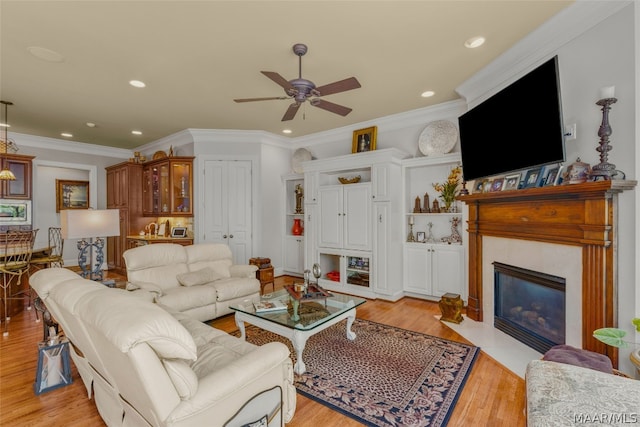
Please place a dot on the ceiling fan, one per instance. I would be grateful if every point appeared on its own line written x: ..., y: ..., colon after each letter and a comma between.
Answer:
x: 302, y: 89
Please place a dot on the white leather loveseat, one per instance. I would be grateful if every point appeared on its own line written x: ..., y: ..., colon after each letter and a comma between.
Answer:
x: 199, y: 280
x: 150, y: 367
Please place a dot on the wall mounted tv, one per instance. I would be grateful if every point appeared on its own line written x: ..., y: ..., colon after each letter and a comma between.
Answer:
x: 519, y: 127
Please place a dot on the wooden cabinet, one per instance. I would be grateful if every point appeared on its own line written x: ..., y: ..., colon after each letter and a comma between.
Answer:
x: 21, y: 167
x: 124, y: 192
x: 168, y: 187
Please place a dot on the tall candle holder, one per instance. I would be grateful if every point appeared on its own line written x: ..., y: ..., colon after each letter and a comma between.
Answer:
x: 410, y: 236
x: 604, y: 170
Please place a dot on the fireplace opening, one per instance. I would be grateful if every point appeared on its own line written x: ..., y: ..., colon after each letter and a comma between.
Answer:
x: 529, y: 306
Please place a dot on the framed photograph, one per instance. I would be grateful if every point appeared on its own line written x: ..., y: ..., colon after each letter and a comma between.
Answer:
x: 531, y: 179
x: 478, y: 186
x: 72, y: 194
x: 511, y: 182
x: 552, y: 174
x: 497, y: 184
x: 15, y: 212
x: 420, y: 237
x: 364, y: 140
x: 486, y: 185
x: 179, y: 232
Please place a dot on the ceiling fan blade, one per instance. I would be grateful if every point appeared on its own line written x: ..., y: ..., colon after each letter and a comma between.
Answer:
x: 330, y: 106
x: 260, y: 99
x: 291, y: 112
x: 340, y: 86
x: 278, y: 79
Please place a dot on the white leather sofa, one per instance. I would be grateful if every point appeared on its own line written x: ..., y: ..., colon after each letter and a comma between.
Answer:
x: 199, y: 280
x: 151, y: 367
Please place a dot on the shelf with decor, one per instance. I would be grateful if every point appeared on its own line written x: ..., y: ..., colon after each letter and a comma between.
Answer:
x: 434, y: 248
x: 293, y: 245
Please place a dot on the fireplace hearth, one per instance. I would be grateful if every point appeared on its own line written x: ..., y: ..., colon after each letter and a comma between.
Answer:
x: 530, y: 306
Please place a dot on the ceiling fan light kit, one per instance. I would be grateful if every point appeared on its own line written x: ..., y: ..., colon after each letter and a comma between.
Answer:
x: 301, y: 90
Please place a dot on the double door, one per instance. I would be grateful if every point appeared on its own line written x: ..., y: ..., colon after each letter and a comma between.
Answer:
x: 434, y: 269
x: 345, y: 216
x: 227, y: 206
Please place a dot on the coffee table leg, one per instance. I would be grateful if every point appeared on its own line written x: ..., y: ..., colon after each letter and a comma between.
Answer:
x: 240, y: 325
x: 350, y: 334
x: 299, y: 341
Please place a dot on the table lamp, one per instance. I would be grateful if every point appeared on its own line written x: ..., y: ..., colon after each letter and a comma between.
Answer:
x: 86, y: 224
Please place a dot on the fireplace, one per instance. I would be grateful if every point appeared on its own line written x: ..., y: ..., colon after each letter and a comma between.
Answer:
x: 530, y: 306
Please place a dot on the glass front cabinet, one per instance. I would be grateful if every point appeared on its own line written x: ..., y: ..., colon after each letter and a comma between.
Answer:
x: 168, y: 187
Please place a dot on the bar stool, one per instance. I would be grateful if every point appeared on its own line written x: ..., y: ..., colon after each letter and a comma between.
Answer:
x: 18, y: 247
x: 53, y: 259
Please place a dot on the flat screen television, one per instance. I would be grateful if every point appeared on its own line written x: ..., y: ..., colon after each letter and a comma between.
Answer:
x: 518, y: 128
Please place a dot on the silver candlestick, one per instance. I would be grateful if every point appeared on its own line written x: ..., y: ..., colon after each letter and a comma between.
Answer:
x: 604, y: 170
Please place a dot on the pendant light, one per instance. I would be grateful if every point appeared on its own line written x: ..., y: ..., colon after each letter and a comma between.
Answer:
x: 5, y: 173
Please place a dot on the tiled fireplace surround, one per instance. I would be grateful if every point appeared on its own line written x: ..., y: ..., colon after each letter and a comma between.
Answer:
x: 566, y: 231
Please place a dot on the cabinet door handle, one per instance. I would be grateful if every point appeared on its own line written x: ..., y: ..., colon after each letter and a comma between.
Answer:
x: 380, y: 218
x: 224, y: 236
x: 231, y: 236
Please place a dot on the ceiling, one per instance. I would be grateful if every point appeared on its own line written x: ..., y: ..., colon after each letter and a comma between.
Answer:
x: 196, y: 57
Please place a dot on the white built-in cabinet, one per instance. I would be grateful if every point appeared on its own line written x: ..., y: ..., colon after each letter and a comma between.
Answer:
x: 354, y: 231
x: 431, y: 269
x: 294, y: 246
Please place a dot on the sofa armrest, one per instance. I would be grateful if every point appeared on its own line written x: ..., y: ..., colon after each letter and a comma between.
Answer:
x: 146, y: 286
x: 243, y: 270
x: 268, y: 366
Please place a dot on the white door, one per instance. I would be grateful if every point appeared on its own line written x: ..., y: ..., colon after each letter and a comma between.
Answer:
x: 331, y: 214
x: 227, y: 206
x: 417, y: 267
x: 448, y: 270
x: 357, y: 217
x: 294, y: 254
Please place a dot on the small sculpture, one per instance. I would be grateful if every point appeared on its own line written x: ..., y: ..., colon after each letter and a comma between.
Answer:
x: 430, y: 238
x: 436, y: 206
x: 426, y: 203
x: 299, y: 195
x: 455, y: 235
x: 416, y: 206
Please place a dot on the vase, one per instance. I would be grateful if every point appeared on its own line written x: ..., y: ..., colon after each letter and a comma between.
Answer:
x: 297, y: 229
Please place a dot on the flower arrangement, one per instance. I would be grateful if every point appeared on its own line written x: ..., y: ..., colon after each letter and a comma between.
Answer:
x: 449, y: 190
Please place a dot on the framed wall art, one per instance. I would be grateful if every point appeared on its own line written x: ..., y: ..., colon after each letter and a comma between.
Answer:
x: 497, y: 184
x: 511, y: 182
x: 531, y: 179
x: 72, y: 194
x: 364, y: 140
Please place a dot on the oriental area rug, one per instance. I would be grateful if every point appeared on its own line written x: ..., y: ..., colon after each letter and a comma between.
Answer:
x: 386, y: 376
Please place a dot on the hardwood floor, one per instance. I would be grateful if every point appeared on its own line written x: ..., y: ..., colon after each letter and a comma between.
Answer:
x: 492, y: 396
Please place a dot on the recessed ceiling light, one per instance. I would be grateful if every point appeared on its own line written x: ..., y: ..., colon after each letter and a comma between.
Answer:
x: 136, y: 132
x: 67, y: 134
x: 137, y: 83
x: 286, y: 131
x: 90, y: 125
x: 474, y: 42
x: 45, y: 54
x: 427, y: 94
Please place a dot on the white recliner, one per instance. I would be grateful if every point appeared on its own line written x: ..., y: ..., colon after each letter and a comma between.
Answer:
x: 151, y: 366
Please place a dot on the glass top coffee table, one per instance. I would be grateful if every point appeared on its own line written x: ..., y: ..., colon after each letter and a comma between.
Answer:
x: 312, y: 316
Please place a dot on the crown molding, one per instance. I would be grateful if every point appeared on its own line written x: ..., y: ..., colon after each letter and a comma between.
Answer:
x: 232, y: 136
x: 538, y: 46
x: 33, y: 141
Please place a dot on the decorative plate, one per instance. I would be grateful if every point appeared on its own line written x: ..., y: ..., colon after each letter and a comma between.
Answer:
x: 299, y: 156
x: 159, y: 155
x: 439, y: 137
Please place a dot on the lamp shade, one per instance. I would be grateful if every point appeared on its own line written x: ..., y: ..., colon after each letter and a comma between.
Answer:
x: 81, y: 223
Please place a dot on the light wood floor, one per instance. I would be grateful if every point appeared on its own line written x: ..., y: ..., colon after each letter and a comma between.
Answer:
x: 492, y: 396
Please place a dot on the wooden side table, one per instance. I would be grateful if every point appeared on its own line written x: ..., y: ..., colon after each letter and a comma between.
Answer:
x: 265, y: 276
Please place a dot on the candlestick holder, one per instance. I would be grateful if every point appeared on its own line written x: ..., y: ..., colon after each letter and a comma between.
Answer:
x: 604, y: 170
x: 410, y: 236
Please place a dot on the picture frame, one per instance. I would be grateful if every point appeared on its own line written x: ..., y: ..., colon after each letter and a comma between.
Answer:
x: 550, y: 178
x: 478, y: 186
x: 532, y: 177
x: 496, y: 185
x: 179, y: 232
x: 486, y: 185
x: 71, y: 194
x: 364, y: 140
x: 511, y: 182
x: 420, y: 236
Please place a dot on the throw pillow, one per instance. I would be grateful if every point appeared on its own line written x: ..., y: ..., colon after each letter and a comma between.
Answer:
x: 198, y: 277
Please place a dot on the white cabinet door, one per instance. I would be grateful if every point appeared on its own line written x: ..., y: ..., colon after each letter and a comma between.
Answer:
x: 294, y: 254
x: 381, y: 239
x: 331, y: 217
x: 311, y: 187
x: 448, y: 270
x: 227, y: 204
x: 357, y: 217
x: 417, y: 268
x: 310, y: 233
x: 380, y: 176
